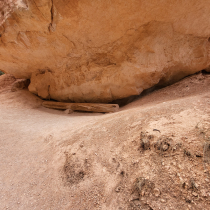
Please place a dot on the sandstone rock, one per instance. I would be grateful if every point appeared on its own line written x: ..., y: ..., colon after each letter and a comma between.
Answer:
x: 99, y: 51
x: 20, y: 84
x: 157, y: 192
x: 203, y: 193
x: 194, y: 194
x: 6, y: 80
x: 8, y: 6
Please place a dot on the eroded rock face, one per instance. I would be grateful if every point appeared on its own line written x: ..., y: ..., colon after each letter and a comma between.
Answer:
x: 8, y: 6
x: 99, y: 51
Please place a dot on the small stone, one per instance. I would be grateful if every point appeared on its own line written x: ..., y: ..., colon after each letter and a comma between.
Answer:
x: 134, y: 197
x: 68, y: 111
x: 207, y: 180
x: 165, y: 147
x: 179, y: 166
x: 142, y: 199
x: 163, y: 201
x: 198, y: 154
x: 156, y: 192
x: 145, y: 144
x: 142, y: 193
x: 137, y: 202
x: 203, y: 193
x: 196, y: 185
x: 188, y: 199
x: 195, y: 194
x: 118, y: 189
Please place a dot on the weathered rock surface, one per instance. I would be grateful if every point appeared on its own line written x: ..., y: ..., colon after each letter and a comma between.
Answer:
x: 8, y: 6
x: 99, y: 51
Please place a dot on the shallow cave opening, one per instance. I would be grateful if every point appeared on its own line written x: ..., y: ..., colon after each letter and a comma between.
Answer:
x: 205, y: 71
x: 125, y: 101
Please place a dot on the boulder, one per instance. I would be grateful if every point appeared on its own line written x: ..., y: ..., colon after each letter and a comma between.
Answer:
x: 100, y: 51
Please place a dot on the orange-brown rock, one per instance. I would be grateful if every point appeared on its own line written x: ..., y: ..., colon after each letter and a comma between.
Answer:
x: 8, y: 6
x: 99, y: 51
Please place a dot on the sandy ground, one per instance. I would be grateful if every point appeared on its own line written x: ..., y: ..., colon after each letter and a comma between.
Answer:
x: 152, y: 154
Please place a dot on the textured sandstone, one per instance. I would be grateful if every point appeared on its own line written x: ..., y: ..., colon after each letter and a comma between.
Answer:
x: 8, y: 6
x: 99, y: 51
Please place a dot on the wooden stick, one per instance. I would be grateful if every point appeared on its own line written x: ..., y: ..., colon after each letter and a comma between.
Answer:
x: 87, y: 107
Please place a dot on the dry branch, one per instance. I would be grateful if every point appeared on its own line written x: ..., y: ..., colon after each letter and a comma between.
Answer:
x: 87, y: 107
